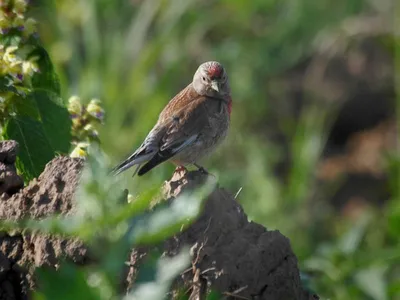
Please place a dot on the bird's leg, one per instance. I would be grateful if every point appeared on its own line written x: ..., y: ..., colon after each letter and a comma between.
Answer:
x: 201, y: 169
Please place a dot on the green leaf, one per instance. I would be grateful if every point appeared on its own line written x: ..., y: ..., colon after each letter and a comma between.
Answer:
x: 24, y: 106
x: 6, y: 85
x: 12, y: 38
x: 167, y: 219
x: 46, y: 78
x: 351, y: 240
x: 167, y: 270
x: 372, y: 282
x: 147, y: 270
x: 65, y: 283
x: 35, y: 149
x: 42, y: 128
x: 214, y: 295
x: 47, y: 108
x: 135, y: 208
x: 55, y: 118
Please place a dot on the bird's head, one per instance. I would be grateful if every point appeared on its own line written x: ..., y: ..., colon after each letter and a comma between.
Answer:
x: 211, y: 80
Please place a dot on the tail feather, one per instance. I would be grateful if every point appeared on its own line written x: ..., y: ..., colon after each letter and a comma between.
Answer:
x: 155, y: 161
x: 135, y: 159
x: 165, y: 153
x: 136, y: 170
x: 143, y: 154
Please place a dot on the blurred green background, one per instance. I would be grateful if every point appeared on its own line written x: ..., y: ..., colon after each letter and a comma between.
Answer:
x: 312, y: 144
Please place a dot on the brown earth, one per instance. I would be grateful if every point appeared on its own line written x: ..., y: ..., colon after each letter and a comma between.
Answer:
x: 239, y: 258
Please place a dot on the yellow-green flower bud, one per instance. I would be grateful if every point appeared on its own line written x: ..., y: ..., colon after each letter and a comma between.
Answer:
x: 95, y: 109
x: 80, y: 150
x: 74, y: 106
x: 91, y: 130
x: 9, y: 56
x: 4, y: 25
x: 76, y: 121
x: 89, y: 127
x: 30, y: 26
x: 19, y: 6
x: 19, y: 22
x: 29, y: 67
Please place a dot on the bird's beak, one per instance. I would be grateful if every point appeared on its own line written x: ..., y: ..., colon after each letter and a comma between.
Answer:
x: 215, y: 86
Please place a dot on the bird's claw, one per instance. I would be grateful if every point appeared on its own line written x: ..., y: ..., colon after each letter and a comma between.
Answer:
x: 201, y: 169
x: 204, y: 171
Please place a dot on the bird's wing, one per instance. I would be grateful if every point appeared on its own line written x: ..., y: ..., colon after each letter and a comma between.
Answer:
x: 152, y: 143
x: 183, y: 129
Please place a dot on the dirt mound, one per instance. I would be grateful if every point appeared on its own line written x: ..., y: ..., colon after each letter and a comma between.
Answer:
x: 50, y: 194
x: 231, y: 255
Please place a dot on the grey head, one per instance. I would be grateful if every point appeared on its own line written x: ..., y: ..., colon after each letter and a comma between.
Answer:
x: 211, y: 80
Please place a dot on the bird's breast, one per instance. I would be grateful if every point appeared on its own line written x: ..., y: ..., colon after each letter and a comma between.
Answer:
x: 209, y: 138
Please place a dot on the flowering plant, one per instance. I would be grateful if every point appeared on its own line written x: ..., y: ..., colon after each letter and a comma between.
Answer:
x: 31, y: 109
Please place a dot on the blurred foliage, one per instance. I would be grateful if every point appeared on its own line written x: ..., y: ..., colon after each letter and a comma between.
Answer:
x: 135, y: 55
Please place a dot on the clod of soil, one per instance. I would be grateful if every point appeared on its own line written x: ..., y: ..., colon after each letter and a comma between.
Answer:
x: 10, y: 182
x: 238, y: 258
x: 51, y: 193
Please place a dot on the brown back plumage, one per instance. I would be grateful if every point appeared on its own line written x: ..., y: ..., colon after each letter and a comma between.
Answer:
x: 184, y: 115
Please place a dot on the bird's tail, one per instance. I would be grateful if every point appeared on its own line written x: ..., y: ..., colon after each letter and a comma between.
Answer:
x: 136, y: 158
x: 165, y: 153
x: 153, y: 162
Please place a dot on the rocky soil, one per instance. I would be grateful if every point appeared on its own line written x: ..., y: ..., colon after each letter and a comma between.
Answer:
x: 241, y: 259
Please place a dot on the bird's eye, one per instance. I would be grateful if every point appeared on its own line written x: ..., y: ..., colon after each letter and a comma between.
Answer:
x: 204, y: 79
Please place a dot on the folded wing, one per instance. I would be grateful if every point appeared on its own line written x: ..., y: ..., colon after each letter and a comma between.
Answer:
x: 183, y: 130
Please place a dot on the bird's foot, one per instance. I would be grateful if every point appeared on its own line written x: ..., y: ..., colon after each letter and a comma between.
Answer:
x: 201, y: 169
x: 204, y: 171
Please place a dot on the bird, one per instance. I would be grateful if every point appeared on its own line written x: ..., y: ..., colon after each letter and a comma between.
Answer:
x: 191, y: 125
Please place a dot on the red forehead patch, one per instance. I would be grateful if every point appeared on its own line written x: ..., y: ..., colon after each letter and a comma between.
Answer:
x: 215, y: 70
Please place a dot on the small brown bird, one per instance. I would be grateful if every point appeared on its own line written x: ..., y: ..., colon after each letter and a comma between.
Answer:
x: 192, y: 124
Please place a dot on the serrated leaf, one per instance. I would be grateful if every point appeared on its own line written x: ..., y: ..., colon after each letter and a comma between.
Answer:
x: 24, y: 106
x: 46, y: 78
x: 47, y: 108
x: 55, y: 118
x: 35, y: 149
x: 42, y: 128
